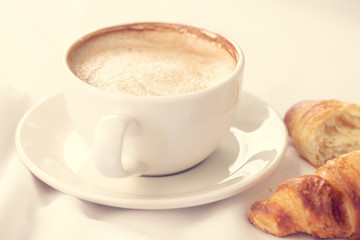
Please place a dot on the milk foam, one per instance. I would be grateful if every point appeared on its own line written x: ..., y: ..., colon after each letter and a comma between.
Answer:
x: 143, y: 63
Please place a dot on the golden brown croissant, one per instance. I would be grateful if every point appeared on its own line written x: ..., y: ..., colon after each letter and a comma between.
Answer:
x: 322, y: 130
x: 326, y: 205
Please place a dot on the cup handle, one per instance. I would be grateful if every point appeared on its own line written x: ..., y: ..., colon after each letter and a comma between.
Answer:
x: 107, y: 146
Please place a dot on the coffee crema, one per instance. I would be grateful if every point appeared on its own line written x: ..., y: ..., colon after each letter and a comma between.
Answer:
x: 152, y: 59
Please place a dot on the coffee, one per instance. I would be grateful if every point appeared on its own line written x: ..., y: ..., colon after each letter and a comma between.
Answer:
x: 152, y: 59
x: 132, y: 134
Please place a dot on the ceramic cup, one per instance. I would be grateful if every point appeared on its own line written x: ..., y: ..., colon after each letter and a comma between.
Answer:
x: 153, y: 135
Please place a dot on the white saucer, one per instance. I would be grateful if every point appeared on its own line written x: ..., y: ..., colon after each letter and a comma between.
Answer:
x: 50, y: 148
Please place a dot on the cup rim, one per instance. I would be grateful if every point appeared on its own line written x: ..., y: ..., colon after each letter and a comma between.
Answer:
x: 240, y: 62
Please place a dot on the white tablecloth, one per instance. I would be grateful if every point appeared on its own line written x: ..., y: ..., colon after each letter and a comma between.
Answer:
x: 294, y: 50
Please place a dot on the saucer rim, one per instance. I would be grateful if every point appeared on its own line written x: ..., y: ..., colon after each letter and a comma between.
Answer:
x: 159, y: 202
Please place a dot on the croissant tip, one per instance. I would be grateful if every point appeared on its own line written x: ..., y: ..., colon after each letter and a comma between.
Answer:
x: 270, y: 218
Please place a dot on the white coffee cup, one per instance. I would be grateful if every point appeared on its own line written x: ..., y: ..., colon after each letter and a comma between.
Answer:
x: 153, y: 135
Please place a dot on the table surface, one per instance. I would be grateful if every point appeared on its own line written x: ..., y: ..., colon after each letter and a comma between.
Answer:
x: 295, y: 50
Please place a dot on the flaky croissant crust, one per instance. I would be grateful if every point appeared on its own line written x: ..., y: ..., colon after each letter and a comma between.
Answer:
x: 325, y: 205
x: 323, y: 129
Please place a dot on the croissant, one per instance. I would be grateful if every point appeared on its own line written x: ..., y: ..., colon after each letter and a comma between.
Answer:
x: 325, y: 205
x: 324, y: 129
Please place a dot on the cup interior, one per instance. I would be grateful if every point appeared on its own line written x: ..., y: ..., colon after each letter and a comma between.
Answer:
x: 214, y: 38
